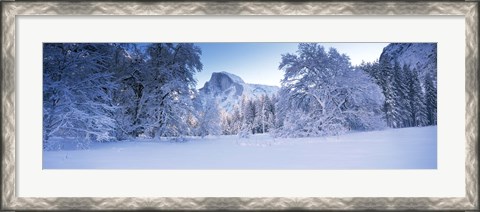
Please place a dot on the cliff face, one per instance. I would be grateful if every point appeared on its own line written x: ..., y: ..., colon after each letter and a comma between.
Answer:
x: 223, y: 83
x: 421, y: 57
x: 228, y: 89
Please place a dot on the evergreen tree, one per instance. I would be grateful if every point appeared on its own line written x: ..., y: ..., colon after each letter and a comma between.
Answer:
x: 400, y: 89
x: 373, y: 70
x: 417, y: 101
x: 402, y: 104
x: 269, y: 111
x: 250, y: 113
x: 431, y: 100
x: 237, y: 120
x: 389, y: 91
x: 227, y: 123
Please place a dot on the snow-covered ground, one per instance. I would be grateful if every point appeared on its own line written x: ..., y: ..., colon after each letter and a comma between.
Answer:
x: 408, y: 148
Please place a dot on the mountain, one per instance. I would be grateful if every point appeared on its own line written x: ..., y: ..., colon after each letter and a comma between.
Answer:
x: 419, y: 56
x: 228, y: 90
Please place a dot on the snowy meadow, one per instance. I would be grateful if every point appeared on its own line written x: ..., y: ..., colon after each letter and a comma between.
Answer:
x: 408, y: 148
x: 137, y: 106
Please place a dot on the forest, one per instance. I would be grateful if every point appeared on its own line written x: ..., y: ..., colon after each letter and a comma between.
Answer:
x: 105, y: 92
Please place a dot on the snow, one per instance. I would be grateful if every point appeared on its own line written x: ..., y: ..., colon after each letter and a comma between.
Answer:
x: 406, y: 148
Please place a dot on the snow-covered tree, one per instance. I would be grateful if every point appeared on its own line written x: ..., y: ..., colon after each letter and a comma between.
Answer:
x: 77, y: 92
x: 401, y: 100
x: 209, y: 120
x: 247, y: 115
x: 282, y: 110
x: 259, y: 120
x: 237, y: 118
x: 227, y: 123
x: 403, y: 92
x: 363, y: 102
x: 232, y: 122
x: 129, y: 62
x: 417, y: 101
x: 168, y: 89
x: 324, y: 95
x: 269, y: 113
x: 386, y: 82
x: 431, y: 100
x: 251, y: 115
x: 373, y: 70
x: 103, y: 91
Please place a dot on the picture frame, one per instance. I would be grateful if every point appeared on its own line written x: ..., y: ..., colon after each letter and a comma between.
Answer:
x: 11, y: 10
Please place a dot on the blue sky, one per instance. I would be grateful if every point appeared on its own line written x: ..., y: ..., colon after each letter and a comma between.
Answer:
x: 258, y: 62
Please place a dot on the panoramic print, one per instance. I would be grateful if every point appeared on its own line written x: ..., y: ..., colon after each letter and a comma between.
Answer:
x: 240, y: 106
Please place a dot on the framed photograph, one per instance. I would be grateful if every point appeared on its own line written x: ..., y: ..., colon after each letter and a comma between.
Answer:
x: 240, y: 105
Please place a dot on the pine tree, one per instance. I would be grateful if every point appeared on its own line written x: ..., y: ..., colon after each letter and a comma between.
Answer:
x: 373, y: 70
x: 386, y: 79
x: 237, y: 120
x: 431, y: 100
x: 269, y: 111
x: 403, y: 94
x: 417, y: 101
x: 250, y: 113
x: 402, y: 102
